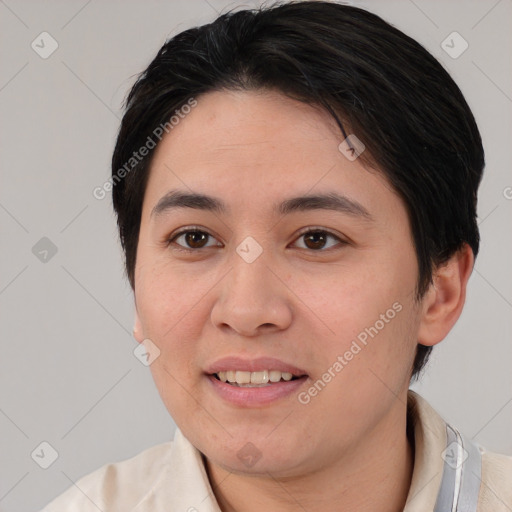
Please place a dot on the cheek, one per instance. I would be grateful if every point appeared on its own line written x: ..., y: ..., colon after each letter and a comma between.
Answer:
x: 377, y: 350
x: 364, y: 369
x: 371, y: 316
x: 169, y: 300
x: 354, y: 299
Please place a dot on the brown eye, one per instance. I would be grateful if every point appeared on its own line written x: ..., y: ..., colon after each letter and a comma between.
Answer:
x: 316, y: 240
x: 195, y: 239
x: 192, y: 239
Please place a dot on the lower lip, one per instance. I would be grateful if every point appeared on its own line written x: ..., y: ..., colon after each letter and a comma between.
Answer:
x: 253, y: 397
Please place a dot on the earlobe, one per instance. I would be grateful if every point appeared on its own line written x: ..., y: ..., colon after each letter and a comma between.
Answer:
x: 443, y: 302
x: 137, y: 328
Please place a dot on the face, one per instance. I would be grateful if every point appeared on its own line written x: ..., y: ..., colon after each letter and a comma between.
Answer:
x: 268, y: 286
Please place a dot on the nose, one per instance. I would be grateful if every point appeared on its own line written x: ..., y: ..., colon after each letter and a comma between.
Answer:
x: 253, y: 299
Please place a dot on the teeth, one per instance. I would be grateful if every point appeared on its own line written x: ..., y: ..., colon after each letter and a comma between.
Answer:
x: 249, y: 379
x: 275, y: 376
x: 259, y: 377
x: 243, y: 377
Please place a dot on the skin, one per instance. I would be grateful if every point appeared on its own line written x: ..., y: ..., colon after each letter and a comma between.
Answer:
x: 347, y: 448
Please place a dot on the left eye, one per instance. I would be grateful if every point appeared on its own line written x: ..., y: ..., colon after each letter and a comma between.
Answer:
x: 317, y: 239
x: 195, y: 239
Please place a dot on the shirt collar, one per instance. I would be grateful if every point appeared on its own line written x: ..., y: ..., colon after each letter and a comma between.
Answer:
x: 447, y: 466
x: 183, y: 482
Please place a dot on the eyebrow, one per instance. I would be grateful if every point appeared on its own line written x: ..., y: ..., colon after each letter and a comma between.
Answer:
x: 176, y: 199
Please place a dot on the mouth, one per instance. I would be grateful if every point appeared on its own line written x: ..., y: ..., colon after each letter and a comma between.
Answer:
x: 259, y: 379
x: 257, y: 382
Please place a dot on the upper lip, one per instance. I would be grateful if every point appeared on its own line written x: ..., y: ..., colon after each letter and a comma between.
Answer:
x: 259, y: 364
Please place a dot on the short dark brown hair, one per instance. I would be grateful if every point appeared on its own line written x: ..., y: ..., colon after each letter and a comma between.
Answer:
x: 372, y: 78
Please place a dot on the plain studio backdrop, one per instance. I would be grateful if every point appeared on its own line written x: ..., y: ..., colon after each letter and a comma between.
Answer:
x: 68, y: 375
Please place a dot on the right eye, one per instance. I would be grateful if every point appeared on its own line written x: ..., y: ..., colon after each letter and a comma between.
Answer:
x: 193, y: 238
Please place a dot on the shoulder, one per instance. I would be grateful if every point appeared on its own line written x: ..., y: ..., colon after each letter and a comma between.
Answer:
x: 115, y: 486
x: 451, y: 470
x: 496, y: 488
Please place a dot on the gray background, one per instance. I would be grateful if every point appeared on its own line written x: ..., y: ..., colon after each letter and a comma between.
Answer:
x: 68, y: 375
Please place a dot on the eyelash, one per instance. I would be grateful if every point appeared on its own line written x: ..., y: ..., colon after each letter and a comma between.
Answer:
x: 196, y: 229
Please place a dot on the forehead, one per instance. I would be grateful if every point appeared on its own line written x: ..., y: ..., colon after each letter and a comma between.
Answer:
x: 257, y: 148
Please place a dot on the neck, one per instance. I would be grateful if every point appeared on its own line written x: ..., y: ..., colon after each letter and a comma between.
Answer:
x: 375, y: 476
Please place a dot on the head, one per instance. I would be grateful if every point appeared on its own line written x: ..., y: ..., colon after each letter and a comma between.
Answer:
x: 255, y: 109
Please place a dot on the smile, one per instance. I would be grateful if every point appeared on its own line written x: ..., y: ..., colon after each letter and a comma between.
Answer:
x: 254, y: 379
x: 256, y: 382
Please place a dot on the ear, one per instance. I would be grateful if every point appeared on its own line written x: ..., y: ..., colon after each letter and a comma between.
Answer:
x: 443, y: 302
x: 137, y: 328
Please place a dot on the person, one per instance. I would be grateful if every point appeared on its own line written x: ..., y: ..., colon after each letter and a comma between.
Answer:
x: 296, y: 189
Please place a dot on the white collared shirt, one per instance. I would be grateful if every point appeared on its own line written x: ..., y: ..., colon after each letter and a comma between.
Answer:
x: 451, y: 474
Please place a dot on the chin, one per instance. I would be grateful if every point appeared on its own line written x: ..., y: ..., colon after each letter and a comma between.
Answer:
x: 256, y: 466
x: 255, y: 455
